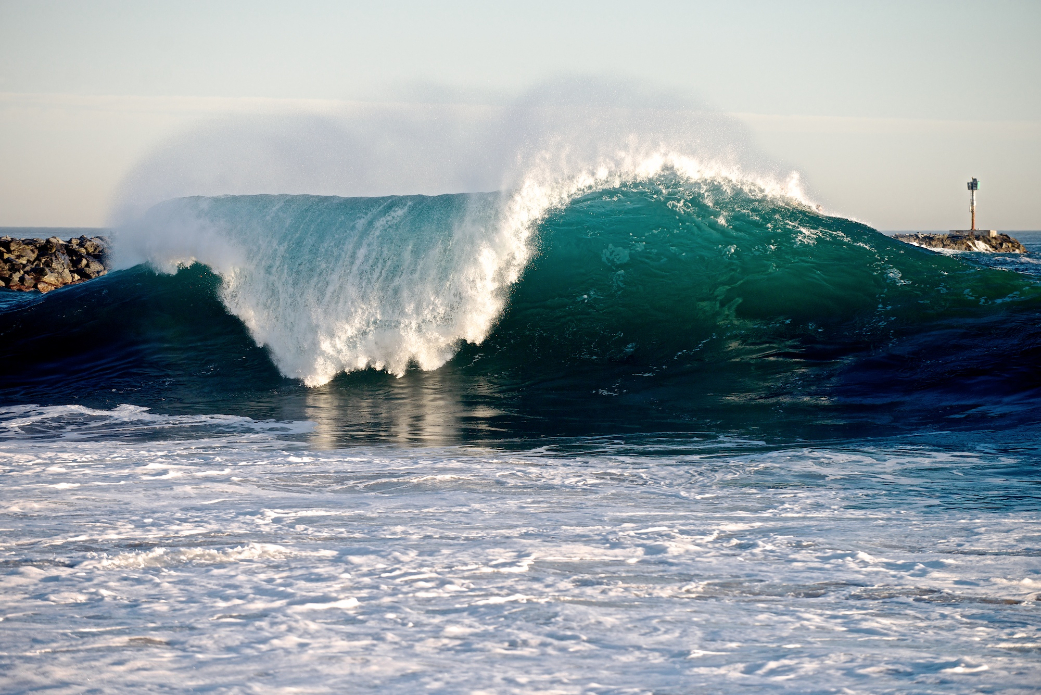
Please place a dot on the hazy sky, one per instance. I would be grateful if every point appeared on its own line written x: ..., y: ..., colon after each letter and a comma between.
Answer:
x: 886, y: 108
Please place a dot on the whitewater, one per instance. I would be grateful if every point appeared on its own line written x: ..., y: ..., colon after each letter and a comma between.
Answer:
x: 633, y: 421
x: 151, y: 553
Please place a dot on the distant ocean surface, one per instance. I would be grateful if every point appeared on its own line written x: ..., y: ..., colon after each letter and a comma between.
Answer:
x: 661, y: 434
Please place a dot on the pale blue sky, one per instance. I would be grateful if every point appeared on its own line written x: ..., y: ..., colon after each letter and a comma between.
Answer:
x: 924, y: 94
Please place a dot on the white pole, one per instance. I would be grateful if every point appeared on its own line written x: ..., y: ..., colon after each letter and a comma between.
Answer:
x: 972, y: 186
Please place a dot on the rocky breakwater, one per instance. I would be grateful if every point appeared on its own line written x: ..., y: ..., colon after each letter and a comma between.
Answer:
x: 984, y: 242
x: 47, y: 264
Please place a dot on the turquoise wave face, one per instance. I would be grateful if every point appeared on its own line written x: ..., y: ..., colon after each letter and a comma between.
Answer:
x: 666, y: 271
x: 664, y: 302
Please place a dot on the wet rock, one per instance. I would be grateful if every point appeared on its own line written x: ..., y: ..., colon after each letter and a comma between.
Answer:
x: 24, y: 252
x: 53, y: 245
x: 93, y: 247
x: 77, y: 259
x: 47, y: 264
x: 981, y: 242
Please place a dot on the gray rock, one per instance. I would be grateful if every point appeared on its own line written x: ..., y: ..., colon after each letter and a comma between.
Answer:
x: 980, y: 242
x: 94, y: 246
x: 44, y: 265
x: 25, y: 252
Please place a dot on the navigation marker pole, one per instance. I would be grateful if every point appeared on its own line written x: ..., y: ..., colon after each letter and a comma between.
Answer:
x: 965, y: 239
x: 974, y: 186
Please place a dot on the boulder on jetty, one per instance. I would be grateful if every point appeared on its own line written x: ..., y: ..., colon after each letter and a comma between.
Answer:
x: 984, y: 242
x: 47, y: 264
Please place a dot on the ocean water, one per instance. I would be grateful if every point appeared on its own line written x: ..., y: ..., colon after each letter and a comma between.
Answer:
x: 659, y: 433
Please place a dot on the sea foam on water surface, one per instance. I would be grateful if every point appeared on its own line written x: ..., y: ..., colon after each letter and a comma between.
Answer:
x: 667, y: 564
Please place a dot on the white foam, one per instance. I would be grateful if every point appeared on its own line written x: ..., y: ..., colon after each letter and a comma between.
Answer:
x: 165, y: 557
x: 699, y: 569
x: 79, y: 422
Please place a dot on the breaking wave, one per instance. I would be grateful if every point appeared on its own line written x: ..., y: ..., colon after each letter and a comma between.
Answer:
x: 657, y: 284
x: 334, y: 285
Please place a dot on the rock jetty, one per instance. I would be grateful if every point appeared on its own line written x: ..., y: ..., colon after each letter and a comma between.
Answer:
x: 985, y: 242
x: 47, y: 264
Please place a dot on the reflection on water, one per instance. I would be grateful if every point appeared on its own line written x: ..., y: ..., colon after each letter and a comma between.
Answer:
x: 433, y: 408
